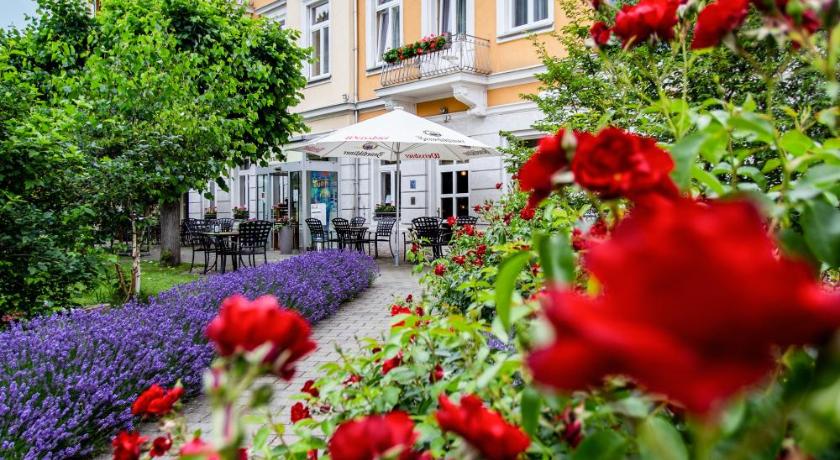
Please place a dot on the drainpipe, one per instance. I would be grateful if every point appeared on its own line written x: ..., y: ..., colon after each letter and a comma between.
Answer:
x: 357, y: 181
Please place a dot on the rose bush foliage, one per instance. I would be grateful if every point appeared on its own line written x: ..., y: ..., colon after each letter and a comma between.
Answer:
x: 659, y: 282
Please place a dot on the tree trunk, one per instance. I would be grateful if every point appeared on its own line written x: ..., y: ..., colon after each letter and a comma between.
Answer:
x: 170, y: 233
x: 134, y: 291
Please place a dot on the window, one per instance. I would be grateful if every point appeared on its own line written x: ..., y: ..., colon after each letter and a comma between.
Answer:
x: 454, y: 189
x: 243, y: 191
x: 276, y: 12
x: 318, y: 22
x: 519, y: 16
x: 388, y: 28
x: 451, y: 16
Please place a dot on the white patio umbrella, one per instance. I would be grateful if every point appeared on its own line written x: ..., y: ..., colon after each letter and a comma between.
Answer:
x: 394, y: 136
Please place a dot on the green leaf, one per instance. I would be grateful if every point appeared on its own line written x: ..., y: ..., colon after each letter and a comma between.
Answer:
x: 685, y: 153
x: 708, y: 179
x: 795, y: 142
x: 821, y: 228
x: 509, y: 271
x: 556, y: 257
x: 659, y: 440
x: 602, y: 445
x: 531, y: 402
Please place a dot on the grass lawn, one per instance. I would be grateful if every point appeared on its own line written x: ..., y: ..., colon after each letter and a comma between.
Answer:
x: 154, y: 279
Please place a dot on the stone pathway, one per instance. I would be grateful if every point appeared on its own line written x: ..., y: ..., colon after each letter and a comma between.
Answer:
x: 365, y: 316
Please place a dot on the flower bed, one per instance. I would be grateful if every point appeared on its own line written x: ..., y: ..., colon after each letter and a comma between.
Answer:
x: 68, y: 380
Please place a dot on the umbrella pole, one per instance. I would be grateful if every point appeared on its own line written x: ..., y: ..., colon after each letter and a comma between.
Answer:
x: 398, y: 192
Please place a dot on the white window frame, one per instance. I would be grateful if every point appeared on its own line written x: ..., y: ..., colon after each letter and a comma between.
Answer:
x: 454, y: 167
x: 504, y: 20
x: 275, y: 12
x: 308, y: 29
x: 373, y: 57
x: 430, y: 21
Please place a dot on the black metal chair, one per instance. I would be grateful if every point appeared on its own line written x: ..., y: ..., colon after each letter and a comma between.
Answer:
x: 318, y: 235
x: 466, y: 220
x: 348, y: 235
x: 185, y: 240
x: 357, y: 221
x: 225, y: 224
x: 384, y: 227
x: 253, y: 240
x: 200, y: 242
x: 427, y: 233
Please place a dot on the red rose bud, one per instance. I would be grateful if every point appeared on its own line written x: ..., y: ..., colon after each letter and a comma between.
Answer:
x: 646, y: 19
x: 527, y: 213
x: 415, y: 248
x: 391, y: 364
x: 615, y: 163
x: 309, y: 388
x: 440, y: 269
x: 400, y: 310
x: 535, y: 269
x: 459, y: 260
x: 477, y: 208
x: 312, y: 454
x: 374, y: 437
x: 600, y: 33
x: 487, y: 207
x: 451, y: 220
x: 156, y: 401
x: 710, y: 332
x: 244, y: 326
x: 572, y: 428
x: 409, y: 298
x: 469, y: 230
x: 299, y: 412
x: 498, y: 185
x: 536, y: 175
x: 437, y: 374
x: 160, y: 446
x: 127, y: 444
x: 718, y: 19
x: 354, y: 378
x: 485, y: 430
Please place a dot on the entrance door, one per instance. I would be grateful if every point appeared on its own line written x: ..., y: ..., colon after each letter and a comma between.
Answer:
x: 454, y: 188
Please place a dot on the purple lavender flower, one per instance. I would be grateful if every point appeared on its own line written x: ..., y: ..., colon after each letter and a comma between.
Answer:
x: 67, y: 381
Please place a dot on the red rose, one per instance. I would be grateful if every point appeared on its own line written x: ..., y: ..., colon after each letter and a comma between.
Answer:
x: 572, y: 428
x: 498, y: 185
x: 244, y: 326
x: 451, y: 220
x: 437, y: 374
x: 299, y: 412
x: 409, y: 298
x: 415, y: 247
x: 127, y: 445
x: 718, y: 19
x: 615, y: 163
x: 460, y: 260
x: 392, y: 363
x: 648, y: 18
x: 527, y: 213
x: 160, y: 446
x: 373, y: 437
x: 399, y: 310
x: 536, y: 175
x: 697, y: 326
x: 597, y: 232
x: 469, y: 230
x: 600, y: 33
x: 309, y: 388
x: 354, y: 378
x: 477, y: 208
x: 440, y: 269
x: 484, y: 429
x: 156, y: 401
x: 312, y: 454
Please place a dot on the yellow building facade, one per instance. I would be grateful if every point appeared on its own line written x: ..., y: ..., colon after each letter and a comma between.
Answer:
x: 473, y: 83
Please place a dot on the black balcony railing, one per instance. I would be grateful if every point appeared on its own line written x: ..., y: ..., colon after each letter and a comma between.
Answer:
x: 463, y: 53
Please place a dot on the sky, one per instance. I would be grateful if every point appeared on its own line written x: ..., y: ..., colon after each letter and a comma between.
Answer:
x: 12, y: 12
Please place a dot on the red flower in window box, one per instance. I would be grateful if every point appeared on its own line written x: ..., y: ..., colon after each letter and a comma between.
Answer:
x: 697, y: 326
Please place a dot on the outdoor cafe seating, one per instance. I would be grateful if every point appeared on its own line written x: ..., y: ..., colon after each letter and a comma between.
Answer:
x: 217, y: 239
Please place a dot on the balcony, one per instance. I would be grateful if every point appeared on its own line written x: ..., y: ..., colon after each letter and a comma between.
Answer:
x: 463, y: 53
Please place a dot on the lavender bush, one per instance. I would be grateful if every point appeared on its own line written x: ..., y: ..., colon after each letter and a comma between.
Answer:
x: 67, y: 381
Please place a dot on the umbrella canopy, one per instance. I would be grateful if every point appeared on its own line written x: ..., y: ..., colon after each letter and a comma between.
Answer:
x: 394, y: 136
x: 397, y: 135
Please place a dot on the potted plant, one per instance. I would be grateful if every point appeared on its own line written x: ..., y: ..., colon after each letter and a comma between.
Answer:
x: 283, y: 226
x: 240, y: 213
x: 385, y: 210
x: 425, y: 45
x: 210, y: 212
